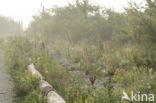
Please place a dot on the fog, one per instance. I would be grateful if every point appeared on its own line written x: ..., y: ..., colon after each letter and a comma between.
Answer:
x: 23, y: 10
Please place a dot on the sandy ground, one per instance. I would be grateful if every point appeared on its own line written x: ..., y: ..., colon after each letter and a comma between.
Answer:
x: 5, y: 83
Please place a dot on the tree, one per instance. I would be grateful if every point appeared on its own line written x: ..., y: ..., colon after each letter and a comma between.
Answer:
x: 9, y: 26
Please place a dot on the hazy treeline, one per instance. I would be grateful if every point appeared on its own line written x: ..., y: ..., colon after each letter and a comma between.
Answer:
x: 84, y: 21
x: 9, y: 27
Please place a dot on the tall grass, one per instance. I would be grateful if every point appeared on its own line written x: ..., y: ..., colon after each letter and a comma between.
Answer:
x: 126, y: 68
x: 25, y: 86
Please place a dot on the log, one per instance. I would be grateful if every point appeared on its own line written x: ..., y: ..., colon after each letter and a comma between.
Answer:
x: 32, y: 69
x: 45, y: 87
x: 52, y: 95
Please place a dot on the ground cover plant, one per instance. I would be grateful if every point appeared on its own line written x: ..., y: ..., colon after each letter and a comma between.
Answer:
x: 87, y: 53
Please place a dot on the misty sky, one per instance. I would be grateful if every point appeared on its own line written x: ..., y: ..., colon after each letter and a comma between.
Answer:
x: 23, y: 10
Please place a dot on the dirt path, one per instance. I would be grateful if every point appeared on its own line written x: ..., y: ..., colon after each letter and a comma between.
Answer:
x: 5, y: 83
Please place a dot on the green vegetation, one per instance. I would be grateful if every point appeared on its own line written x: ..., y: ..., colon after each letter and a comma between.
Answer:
x: 25, y: 86
x: 88, y: 54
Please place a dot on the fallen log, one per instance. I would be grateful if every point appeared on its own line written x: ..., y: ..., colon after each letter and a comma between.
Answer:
x: 52, y: 95
x: 34, y: 72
